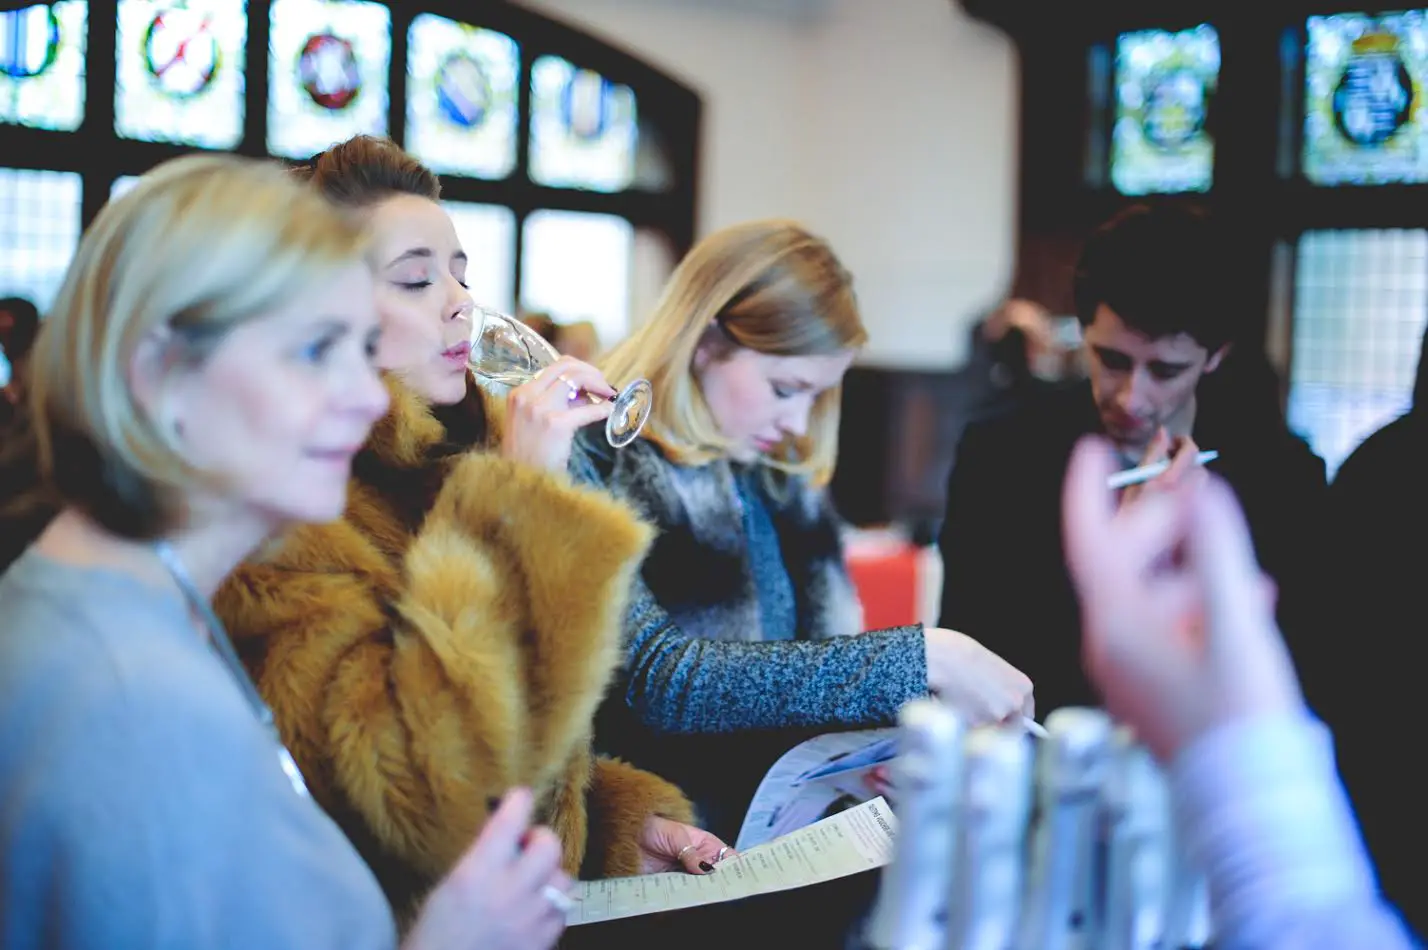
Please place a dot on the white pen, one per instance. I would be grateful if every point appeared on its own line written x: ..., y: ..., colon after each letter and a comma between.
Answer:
x: 564, y: 903
x: 1034, y: 727
x: 1134, y: 476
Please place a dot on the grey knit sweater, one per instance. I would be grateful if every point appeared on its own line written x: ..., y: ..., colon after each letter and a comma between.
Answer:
x: 785, y: 554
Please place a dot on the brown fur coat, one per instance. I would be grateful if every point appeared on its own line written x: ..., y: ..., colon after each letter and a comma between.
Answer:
x: 450, y: 639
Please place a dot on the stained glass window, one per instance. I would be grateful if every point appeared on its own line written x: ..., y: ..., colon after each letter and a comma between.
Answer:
x: 488, y: 235
x: 576, y: 266
x: 1164, y: 86
x: 122, y: 184
x: 584, y: 128
x: 42, y: 65
x: 1361, y: 300
x: 39, y: 230
x: 1363, y: 83
x: 327, y: 73
x: 461, y: 97
x: 180, y: 71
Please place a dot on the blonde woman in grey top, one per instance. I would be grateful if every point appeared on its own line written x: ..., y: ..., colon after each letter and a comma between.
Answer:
x: 201, y: 384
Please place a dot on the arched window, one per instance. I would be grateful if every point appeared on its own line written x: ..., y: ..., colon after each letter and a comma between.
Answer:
x: 568, y: 165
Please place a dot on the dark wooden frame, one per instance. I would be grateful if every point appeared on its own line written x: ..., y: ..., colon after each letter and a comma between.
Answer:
x: 1257, y: 121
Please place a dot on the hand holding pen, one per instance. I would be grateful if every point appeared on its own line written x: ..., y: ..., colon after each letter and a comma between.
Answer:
x: 1168, y: 462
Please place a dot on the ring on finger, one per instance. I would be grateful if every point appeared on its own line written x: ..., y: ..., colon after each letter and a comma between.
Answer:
x: 683, y: 851
x: 574, y: 389
x: 720, y: 856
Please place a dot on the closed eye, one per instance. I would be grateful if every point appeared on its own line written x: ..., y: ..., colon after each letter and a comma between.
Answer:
x: 787, y: 389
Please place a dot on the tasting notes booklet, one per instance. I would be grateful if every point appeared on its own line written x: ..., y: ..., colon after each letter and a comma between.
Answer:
x: 858, y: 839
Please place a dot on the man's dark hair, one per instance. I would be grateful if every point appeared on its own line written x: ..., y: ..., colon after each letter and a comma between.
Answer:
x: 1164, y: 270
x: 25, y: 326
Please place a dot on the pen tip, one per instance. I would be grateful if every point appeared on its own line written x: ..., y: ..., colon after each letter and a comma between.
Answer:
x: 1035, y: 728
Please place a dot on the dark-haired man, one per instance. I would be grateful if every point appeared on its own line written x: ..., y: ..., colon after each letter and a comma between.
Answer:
x: 1154, y: 297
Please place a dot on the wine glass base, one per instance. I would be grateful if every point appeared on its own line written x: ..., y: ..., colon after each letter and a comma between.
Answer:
x: 629, y: 411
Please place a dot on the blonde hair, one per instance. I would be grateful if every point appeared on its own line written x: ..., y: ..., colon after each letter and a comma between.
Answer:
x: 201, y: 245
x: 770, y: 286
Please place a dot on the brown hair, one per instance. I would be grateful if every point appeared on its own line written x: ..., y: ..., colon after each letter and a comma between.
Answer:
x: 361, y: 173
x: 770, y: 286
x: 366, y: 169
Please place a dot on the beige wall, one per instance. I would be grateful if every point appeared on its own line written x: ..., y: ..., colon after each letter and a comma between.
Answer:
x: 889, y: 126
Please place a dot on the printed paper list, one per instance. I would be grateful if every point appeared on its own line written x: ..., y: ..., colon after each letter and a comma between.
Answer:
x: 859, y: 839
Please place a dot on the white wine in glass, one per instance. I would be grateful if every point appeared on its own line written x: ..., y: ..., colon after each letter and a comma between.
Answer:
x: 504, y: 350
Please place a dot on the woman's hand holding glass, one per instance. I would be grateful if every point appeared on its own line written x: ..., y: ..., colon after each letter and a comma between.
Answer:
x: 544, y: 414
x: 504, y: 350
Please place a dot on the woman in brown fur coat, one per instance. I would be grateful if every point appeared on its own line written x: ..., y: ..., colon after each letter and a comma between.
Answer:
x: 451, y: 637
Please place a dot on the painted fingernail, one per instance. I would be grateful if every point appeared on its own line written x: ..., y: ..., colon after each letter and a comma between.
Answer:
x: 706, y: 867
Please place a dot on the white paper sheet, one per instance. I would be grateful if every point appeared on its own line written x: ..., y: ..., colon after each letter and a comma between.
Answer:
x: 859, y: 839
x: 809, y: 778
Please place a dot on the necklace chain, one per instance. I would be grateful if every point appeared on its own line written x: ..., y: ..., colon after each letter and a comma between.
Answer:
x: 223, y: 646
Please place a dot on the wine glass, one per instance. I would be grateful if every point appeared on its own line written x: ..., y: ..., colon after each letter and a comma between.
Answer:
x: 506, y: 351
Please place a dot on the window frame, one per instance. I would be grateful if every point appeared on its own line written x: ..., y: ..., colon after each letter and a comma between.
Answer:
x: 1258, y: 186
x: 100, y: 155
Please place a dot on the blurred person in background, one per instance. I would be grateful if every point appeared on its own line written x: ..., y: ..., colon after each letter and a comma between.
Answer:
x: 542, y: 323
x: 1018, y: 353
x: 1154, y: 291
x: 19, y: 325
x: 1374, y: 563
x: 578, y: 340
x: 1179, y: 636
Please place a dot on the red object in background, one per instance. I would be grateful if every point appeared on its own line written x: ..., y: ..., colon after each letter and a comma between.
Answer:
x: 889, y: 583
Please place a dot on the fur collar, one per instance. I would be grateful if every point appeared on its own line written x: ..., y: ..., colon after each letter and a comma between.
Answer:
x: 412, y: 448
x: 429, y: 651
x: 702, y: 568
x: 412, y: 431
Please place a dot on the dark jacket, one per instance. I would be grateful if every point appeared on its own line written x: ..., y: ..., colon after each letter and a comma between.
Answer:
x: 1373, y: 611
x: 26, y: 506
x: 1005, y: 576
